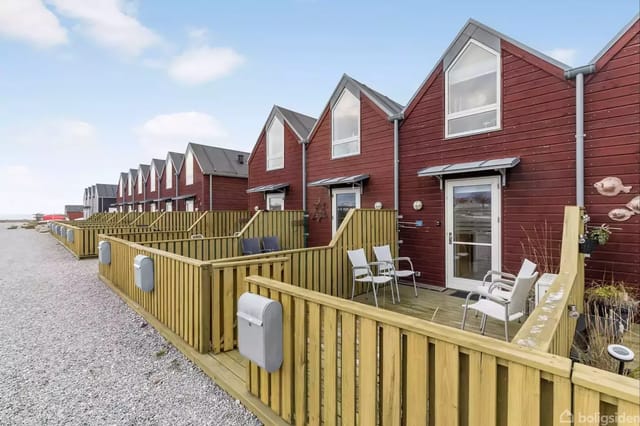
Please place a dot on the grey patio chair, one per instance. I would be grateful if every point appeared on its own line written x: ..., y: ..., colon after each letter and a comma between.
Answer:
x: 362, y: 273
x: 250, y: 246
x: 383, y: 254
x: 509, y: 307
x: 526, y: 269
x: 270, y: 244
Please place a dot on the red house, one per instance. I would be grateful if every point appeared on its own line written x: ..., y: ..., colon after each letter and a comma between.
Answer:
x: 612, y: 149
x: 153, y: 184
x: 487, y: 151
x: 140, y: 183
x: 211, y: 178
x: 349, y: 157
x: 169, y: 181
x: 122, y: 191
x: 275, y: 164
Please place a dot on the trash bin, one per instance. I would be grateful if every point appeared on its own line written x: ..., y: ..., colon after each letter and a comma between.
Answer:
x: 143, y: 272
x: 104, y: 252
x: 260, y: 330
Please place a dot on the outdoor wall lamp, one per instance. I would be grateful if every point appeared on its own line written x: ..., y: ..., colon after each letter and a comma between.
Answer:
x: 377, y: 205
x: 256, y: 208
x: 573, y: 312
x: 417, y: 205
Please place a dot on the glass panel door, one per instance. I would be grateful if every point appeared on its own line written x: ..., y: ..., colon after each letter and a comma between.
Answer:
x: 342, y: 201
x: 275, y: 202
x: 473, y: 234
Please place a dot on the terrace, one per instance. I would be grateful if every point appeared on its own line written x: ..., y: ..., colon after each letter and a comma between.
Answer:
x: 346, y: 361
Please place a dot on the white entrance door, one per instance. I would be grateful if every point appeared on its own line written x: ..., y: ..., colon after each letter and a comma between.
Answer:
x: 188, y: 205
x: 168, y: 206
x: 275, y: 202
x: 472, y: 230
x: 342, y: 200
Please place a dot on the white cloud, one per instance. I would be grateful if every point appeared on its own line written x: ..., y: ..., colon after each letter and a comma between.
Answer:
x: 172, y: 132
x: 567, y: 56
x: 61, y: 134
x: 110, y: 23
x: 199, y: 65
x: 31, y: 21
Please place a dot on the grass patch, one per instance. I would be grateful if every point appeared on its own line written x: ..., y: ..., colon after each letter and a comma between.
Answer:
x: 161, y: 353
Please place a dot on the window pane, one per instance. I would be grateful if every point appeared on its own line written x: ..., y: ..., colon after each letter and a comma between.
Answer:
x: 346, y: 117
x: 472, y: 80
x: 342, y: 149
x: 275, y: 203
x: 478, y: 121
x: 275, y: 145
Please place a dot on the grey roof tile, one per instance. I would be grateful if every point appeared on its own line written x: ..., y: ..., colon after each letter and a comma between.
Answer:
x: 220, y: 161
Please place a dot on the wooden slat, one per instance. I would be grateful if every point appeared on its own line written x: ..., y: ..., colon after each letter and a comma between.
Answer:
x: 368, y: 365
x: 524, y: 395
x: 390, y: 366
x: 446, y: 397
x: 417, y: 389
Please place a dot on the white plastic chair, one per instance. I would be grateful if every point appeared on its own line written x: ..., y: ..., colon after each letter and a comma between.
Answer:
x: 526, y: 269
x: 383, y: 254
x: 362, y: 273
x: 509, y: 307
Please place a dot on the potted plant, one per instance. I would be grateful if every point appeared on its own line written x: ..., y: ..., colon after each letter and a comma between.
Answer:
x: 594, y: 237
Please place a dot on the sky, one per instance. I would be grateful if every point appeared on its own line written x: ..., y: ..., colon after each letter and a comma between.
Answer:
x: 90, y: 88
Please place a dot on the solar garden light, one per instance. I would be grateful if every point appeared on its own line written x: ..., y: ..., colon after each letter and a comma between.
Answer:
x: 573, y: 312
x: 622, y: 354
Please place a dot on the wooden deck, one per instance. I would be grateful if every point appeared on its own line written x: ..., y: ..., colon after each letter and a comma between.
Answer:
x: 440, y: 307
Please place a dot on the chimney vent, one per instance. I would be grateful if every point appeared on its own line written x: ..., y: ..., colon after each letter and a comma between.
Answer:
x: 241, y: 158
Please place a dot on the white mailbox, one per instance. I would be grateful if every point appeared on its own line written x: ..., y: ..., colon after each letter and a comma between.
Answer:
x: 70, y: 235
x: 143, y: 272
x: 260, y: 330
x: 104, y: 252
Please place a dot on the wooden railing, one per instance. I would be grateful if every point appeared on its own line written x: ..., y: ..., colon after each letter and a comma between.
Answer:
x: 219, y: 223
x: 347, y: 363
x: 287, y: 225
x: 146, y: 218
x: 177, y: 220
x: 549, y: 327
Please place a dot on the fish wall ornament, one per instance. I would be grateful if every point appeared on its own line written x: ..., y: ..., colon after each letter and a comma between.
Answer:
x: 611, y: 186
x: 634, y: 204
x: 620, y: 215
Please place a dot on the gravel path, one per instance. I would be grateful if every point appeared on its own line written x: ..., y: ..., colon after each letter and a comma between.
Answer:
x: 71, y: 352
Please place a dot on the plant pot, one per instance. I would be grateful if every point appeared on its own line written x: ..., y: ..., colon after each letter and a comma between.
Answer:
x: 588, y: 246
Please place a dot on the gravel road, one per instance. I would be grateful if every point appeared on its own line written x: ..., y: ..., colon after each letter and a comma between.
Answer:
x: 71, y: 352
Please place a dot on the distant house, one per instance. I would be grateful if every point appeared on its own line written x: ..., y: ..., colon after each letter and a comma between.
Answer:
x: 121, y: 195
x: 211, y: 178
x: 169, y: 188
x: 153, y: 184
x: 99, y: 198
x: 73, y: 212
x: 141, y: 188
x: 275, y: 164
x: 349, y: 157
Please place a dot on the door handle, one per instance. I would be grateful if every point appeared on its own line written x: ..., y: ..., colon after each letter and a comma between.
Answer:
x: 450, y: 237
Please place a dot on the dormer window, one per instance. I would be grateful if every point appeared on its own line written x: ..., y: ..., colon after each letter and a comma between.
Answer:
x: 189, y: 168
x: 472, y: 95
x: 169, y: 175
x: 345, y: 124
x: 275, y: 145
x: 130, y: 185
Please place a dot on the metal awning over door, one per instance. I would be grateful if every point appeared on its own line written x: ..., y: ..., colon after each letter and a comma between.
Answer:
x: 499, y: 165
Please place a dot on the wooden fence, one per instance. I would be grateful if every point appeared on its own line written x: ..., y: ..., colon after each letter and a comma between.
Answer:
x: 345, y: 363
x: 549, y: 327
x: 288, y: 225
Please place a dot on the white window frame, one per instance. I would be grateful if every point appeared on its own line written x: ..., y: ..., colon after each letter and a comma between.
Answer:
x: 153, y: 175
x: 189, y: 168
x: 120, y: 190
x: 130, y: 185
x: 168, y: 206
x: 190, y: 205
x: 152, y: 207
x: 497, y: 106
x: 140, y: 179
x: 275, y: 195
x: 168, y: 176
x: 335, y: 142
x: 140, y: 208
x: 334, y: 204
x: 268, y: 143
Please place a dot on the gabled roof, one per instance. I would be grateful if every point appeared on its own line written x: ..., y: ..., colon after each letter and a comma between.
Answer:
x: 145, y: 171
x: 134, y: 174
x: 301, y: 124
x: 159, y: 164
x: 480, y: 32
x: 105, y: 190
x: 176, y: 159
x: 220, y: 161
x: 615, y: 39
x: 123, y: 177
x: 73, y: 208
x: 386, y: 104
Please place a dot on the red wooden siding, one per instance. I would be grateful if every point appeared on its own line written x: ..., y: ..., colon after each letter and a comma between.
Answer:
x: 538, y: 125
x: 291, y: 173
x: 375, y: 159
x: 612, y: 148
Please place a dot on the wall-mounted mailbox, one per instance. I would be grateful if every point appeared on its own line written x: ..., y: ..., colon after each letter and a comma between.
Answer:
x: 70, y: 235
x: 260, y: 330
x: 104, y: 252
x: 143, y: 272
x: 60, y: 230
